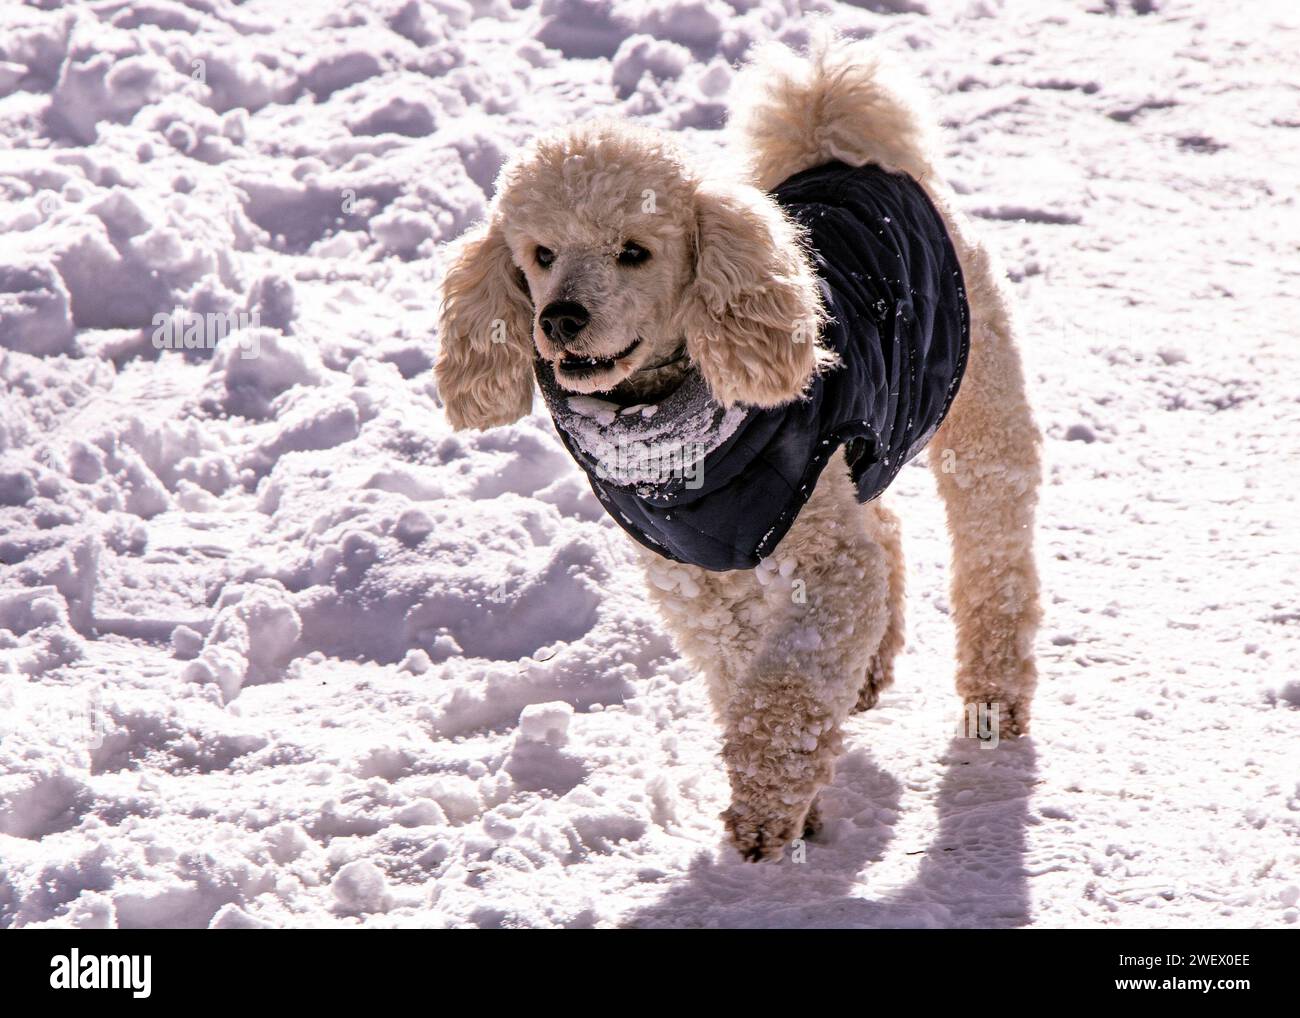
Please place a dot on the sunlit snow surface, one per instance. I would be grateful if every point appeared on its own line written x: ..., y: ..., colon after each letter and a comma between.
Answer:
x: 276, y: 647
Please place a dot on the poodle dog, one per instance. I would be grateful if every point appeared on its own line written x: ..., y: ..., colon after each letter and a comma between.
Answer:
x: 614, y: 273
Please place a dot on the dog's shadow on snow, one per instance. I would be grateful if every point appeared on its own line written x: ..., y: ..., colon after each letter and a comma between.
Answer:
x: 972, y: 873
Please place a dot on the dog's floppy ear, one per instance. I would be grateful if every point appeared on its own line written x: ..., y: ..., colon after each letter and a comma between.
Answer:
x: 484, y: 367
x: 753, y: 313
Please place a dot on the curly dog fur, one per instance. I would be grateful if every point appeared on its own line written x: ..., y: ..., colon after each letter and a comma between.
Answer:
x: 791, y: 648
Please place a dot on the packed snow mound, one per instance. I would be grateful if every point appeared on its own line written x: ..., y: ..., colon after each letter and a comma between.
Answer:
x: 277, y: 647
x: 35, y: 309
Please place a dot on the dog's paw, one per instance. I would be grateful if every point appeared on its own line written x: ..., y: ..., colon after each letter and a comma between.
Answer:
x: 868, y: 697
x: 880, y: 676
x: 983, y: 718
x: 1014, y: 725
x: 757, y: 837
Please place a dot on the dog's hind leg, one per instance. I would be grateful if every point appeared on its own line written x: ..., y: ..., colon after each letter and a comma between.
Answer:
x: 985, y: 458
x: 880, y: 672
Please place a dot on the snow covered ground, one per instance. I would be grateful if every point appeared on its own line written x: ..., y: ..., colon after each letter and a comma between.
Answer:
x: 279, y: 648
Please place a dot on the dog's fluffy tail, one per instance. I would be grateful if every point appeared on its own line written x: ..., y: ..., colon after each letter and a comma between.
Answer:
x: 840, y: 101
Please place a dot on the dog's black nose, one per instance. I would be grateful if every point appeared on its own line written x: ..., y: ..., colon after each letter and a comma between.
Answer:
x: 562, y: 320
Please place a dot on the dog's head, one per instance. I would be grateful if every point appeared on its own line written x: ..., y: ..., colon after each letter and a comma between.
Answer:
x: 604, y: 254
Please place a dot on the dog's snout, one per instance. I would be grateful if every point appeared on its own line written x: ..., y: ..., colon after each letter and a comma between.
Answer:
x: 562, y: 320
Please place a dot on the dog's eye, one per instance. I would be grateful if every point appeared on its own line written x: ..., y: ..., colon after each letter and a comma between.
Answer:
x: 633, y: 254
x: 544, y: 256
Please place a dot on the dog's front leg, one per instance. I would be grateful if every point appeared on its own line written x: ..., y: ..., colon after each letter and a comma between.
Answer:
x: 817, y: 628
x: 781, y: 737
x: 785, y: 650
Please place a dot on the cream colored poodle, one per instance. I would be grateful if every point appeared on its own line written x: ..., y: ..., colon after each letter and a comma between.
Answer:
x: 620, y: 268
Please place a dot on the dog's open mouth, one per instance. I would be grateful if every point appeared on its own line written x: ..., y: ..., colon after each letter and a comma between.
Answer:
x: 584, y: 367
